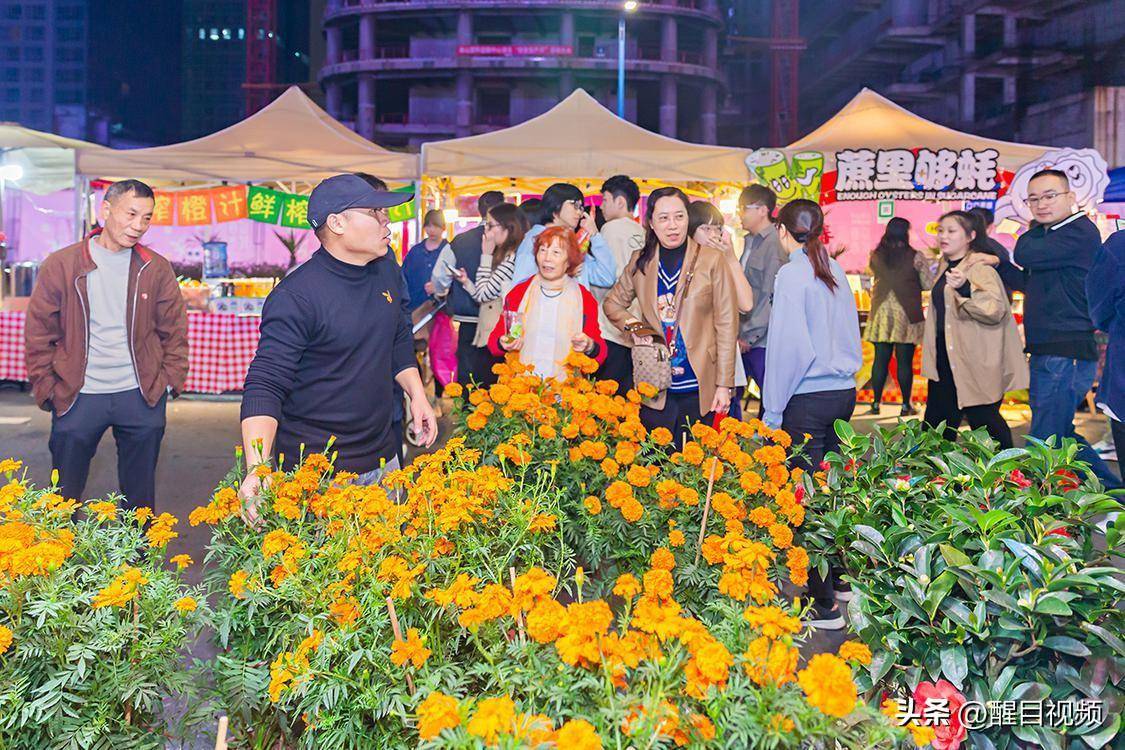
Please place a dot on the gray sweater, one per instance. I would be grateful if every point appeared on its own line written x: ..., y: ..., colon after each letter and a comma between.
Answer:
x: 762, y: 258
x: 813, y: 342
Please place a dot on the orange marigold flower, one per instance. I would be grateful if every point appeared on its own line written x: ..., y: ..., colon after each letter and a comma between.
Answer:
x: 693, y: 453
x: 185, y: 604
x: 476, y: 421
x: 105, y: 511
x: 769, y: 662
x: 453, y: 390
x: 578, y: 734
x: 593, y: 505
x: 627, y: 586
x: 828, y: 685
x: 662, y: 436
x: 493, y: 717
x: 547, y: 432
x: 781, y: 724
x: 854, y: 651
x: 782, y: 535
x: 544, y: 621
x: 647, y: 390
x: 625, y: 453
x: 638, y: 476
x: 610, y: 468
x: 160, y: 532
x: 181, y: 561
x: 122, y: 590
x: 658, y: 583
x: 663, y: 559
x: 797, y: 560
x: 10, y: 466
x: 750, y: 481
x: 499, y: 393
x: 411, y: 650
x: 676, y: 538
x: 344, y: 611
x: 237, y: 584
x: 542, y: 522
x: 632, y: 511
x: 773, y: 622
x: 761, y: 516
x: 436, y: 714
x: 5, y: 639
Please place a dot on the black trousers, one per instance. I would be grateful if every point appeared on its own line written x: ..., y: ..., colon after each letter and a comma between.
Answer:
x: 941, y: 406
x: 815, y: 414
x: 137, y: 429
x: 680, y: 412
x: 474, y: 363
x: 618, y: 365
x: 904, y: 369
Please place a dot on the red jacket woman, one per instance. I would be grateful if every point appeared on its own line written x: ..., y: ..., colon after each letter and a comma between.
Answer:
x: 550, y: 314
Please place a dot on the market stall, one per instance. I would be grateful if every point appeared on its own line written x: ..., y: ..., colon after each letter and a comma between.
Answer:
x: 578, y: 141
x: 230, y: 216
x: 875, y: 160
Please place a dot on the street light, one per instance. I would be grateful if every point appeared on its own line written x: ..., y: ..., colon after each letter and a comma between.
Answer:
x: 628, y: 7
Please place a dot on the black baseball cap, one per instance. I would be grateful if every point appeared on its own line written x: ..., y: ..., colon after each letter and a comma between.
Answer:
x: 338, y: 194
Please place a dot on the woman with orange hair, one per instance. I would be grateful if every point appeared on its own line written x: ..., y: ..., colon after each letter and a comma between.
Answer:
x: 551, y: 314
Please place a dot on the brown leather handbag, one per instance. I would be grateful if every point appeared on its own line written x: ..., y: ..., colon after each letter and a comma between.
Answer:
x: 652, y: 356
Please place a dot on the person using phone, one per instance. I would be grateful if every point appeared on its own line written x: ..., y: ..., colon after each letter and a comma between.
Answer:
x: 705, y: 225
x: 550, y: 315
x: 564, y: 206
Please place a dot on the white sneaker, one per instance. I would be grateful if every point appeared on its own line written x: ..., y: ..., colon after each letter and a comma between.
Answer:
x: 1103, y: 446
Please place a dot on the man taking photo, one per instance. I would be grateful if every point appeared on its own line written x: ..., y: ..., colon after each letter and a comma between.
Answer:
x: 333, y: 342
x: 106, y: 337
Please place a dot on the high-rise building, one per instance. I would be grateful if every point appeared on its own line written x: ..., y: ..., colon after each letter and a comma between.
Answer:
x: 43, y: 64
x: 213, y: 65
x: 402, y: 72
x: 1025, y: 70
x: 214, y: 57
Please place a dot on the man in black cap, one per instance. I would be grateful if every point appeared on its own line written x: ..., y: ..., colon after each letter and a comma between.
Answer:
x: 333, y: 341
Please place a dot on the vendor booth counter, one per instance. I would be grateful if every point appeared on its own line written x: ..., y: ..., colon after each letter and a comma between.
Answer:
x: 220, y: 349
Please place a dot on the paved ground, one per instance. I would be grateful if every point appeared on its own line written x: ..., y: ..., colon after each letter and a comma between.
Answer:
x: 198, y: 450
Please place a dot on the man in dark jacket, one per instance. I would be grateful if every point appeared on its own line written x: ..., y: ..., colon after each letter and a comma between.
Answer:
x: 474, y: 363
x: 106, y: 341
x: 1056, y: 254
x: 334, y: 340
x: 1009, y: 274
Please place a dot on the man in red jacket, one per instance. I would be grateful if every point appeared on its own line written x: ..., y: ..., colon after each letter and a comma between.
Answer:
x: 107, y: 342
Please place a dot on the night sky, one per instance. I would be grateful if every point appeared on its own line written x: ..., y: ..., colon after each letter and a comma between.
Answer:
x: 135, y: 66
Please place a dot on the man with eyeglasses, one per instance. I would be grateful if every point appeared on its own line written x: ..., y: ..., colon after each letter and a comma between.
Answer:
x: 1056, y: 254
x: 333, y: 341
x: 762, y: 258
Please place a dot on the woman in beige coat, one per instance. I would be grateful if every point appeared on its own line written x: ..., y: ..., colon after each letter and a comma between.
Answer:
x: 971, y: 350
x: 703, y: 344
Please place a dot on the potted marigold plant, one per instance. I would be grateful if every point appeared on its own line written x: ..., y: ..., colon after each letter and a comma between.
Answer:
x: 93, y: 622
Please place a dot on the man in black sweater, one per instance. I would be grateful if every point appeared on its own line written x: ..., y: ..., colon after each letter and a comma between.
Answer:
x: 333, y: 341
x: 1056, y: 254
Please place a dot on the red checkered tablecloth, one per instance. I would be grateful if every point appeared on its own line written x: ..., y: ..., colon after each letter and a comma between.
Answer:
x: 220, y: 348
x: 12, y: 364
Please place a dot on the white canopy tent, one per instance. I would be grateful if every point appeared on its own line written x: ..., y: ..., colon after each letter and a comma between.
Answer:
x: 290, y: 140
x: 579, y: 139
x: 873, y: 121
x: 47, y: 160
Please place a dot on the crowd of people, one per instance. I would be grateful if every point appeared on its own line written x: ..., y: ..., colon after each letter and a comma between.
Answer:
x: 666, y: 301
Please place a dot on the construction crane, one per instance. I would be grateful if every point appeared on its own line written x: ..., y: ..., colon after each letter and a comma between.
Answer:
x: 785, y: 46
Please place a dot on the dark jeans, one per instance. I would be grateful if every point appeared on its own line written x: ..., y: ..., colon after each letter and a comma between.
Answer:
x: 815, y: 414
x: 680, y: 412
x: 904, y: 369
x: 474, y: 363
x: 137, y: 429
x: 1118, y: 430
x: 754, y: 362
x: 1058, y: 386
x: 618, y: 365
x: 941, y: 406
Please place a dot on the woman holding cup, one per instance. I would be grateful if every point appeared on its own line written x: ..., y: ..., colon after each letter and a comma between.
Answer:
x: 551, y: 314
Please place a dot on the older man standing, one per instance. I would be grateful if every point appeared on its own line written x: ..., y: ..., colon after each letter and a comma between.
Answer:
x: 106, y: 343
x: 334, y: 340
